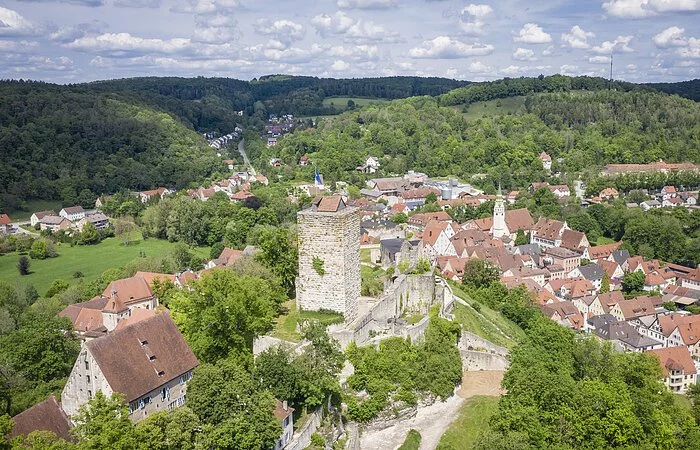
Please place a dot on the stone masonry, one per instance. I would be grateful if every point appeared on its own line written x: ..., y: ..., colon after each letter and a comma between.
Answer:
x: 333, y: 237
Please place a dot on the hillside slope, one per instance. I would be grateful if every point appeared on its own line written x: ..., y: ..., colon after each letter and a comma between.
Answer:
x: 56, y: 143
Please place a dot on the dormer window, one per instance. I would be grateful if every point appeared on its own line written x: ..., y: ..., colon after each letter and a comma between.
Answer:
x: 152, y: 357
x: 161, y: 373
x: 144, y: 342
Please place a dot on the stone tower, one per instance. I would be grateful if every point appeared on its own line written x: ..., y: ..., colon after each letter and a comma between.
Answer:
x: 499, y: 228
x: 329, y: 257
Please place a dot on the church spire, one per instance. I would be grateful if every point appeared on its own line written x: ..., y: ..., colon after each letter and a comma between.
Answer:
x: 498, y: 227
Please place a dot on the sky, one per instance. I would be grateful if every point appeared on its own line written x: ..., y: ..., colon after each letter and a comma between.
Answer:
x: 69, y: 41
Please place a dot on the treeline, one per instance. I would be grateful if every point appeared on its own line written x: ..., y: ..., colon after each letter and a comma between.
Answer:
x: 564, y: 391
x: 688, y: 89
x: 57, y: 144
x: 417, y: 134
x: 511, y: 87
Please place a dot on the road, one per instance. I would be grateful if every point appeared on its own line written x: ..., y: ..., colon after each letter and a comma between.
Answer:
x: 18, y: 227
x: 241, y: 150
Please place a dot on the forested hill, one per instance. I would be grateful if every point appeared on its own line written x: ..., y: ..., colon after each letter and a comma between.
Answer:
x: 275, y: 94
x: 59, y: 144
x: 585, y: 129
x: 688, y: 89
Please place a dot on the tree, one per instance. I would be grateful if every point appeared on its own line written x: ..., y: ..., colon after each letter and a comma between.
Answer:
x: 224, y: 313
x: 169, y: 430
x: 125, y: 229
x: 479, y: 273
x: 605, y: 284
x: 103, y: 422
x: 279, y: 252
x: 399, y: 217
x: 23, y: 265
x: 521, y: 238
x: 431, y: 198
x: 633, y: 282
x: 238, y: 415
x: 90, y: 234
x: 42, y: 248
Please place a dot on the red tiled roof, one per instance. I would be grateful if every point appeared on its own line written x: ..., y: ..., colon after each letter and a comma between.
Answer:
x: 603, y: 251
x: 280, y: 412
x: 5, y: 219
x: 674, y: 358
x: 45, y: 416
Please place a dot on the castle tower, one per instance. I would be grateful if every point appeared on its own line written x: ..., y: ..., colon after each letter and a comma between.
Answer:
x: 499, y: 228
x: 329, y: 257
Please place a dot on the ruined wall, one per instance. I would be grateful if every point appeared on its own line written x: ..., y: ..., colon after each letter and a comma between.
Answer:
x: 334, y: 238
x: 473, y: 361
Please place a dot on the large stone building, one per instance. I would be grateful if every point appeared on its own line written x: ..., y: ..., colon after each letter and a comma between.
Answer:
x: 149, y: 362
x: 329, y: 257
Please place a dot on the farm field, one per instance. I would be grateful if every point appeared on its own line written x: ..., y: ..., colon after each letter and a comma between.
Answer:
x: 491, y: 108
x: 91, y: 260
x: 33, y: 206
x: 342, y: 102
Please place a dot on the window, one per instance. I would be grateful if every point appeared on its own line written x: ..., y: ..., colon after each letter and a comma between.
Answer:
x: 89, y: 394
x: 87, y: 365
x: 144, y: 342
x: 87, y: 379
x: 142, y: 404
x: 165, y: 393
x: 152, y: 357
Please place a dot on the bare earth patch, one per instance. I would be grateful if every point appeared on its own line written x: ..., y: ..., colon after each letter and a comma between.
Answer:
x: 432, y: 421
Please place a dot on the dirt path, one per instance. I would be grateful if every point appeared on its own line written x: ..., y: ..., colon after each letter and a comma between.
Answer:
x: 432, y: 421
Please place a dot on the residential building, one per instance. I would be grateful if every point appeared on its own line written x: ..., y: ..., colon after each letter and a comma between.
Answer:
x: 284, y: 415
x: 548, y: 232
x: 54, y: 223
x: 5, y: 224
x: 604, y: 302
x: 609, y: 193
x: 148, y: 362
x: 691, y: 280
x: 650, y: 204
x: 563, y: 257
x: 546, y: 161
x: 99, y: 220
x: 371, y: 165
x: 147, y: 196
x: 591, y: 272
x: 633, y: 308
x: 72, y: 213
x: 37, y: 216
x: 598, y: 252
x: 678, y: 367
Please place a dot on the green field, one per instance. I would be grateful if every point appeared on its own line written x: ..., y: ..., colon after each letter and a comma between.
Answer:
x: 91, y: 260
x: 486, y: 322
x: 286, y: 324
x: 33, y: 206
x: 491, y: 108
x: 473, y: 418
x: 602, y: 240
x: 341, y: 103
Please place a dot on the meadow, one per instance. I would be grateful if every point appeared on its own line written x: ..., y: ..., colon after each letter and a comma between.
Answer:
x: 90, y: 260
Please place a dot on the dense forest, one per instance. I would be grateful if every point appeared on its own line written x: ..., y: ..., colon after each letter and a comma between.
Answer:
x: 583, y: 129
x: 688, y: 89
x: 56, y: 143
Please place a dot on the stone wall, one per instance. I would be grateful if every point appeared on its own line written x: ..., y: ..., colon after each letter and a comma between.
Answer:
x: 470, y: 341
x: 334, y: 238
x: 302, y: 437
x: 474, y: 360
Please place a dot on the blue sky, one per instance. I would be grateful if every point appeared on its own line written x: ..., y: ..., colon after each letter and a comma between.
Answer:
x: 68, y: 41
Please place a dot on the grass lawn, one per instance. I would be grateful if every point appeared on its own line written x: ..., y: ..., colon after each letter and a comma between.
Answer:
x: 34, y: 206
x: 473, y: 418
x: 365, y: 255
x: 91, y: 260
x: 487, y: 322
x: 491, y: 108
x: 286, y: 324
x: 342, y: 102
x: 602, y: 240
x: 412, y: 441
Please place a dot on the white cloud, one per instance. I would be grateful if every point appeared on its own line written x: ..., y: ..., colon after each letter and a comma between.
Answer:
x: 549, y: 51
x: 13, y: 24
x: 531, y: 33
x: 138, y: 3
x: 670, y: 37
x: 524, y: 54
x: 599, y: 59
x: 568, y: 69
x: 205, y: 6
x: 472, y: 18
x: 636, y: 9
x: 18, y: 46
x: 619, y: 45
x: 284, y: 31
x: 73, y: 32
x: 691, y: 51
x: 339, y: 66
x: 366, y: 4
x: 576, y: 38
x: 215, y: 29
x: 124, y: 43
x: 356, y: 52
x: 445, y: 47
x: 479, y: 68
x: 357, y: 31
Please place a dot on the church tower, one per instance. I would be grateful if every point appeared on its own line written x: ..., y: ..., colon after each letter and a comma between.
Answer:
x: 499, y: 228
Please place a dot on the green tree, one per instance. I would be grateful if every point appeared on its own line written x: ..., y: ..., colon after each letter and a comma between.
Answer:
x: 224, y: 312
x: 126, y: 230
x: 521, y: 238
x: 399, y: 217
x: 278, y: 251
x: 605, y: 284
x: 90, y: 234
x: 479, y: 273
x: 169, y: 430
x: 42, y: 248
x: 23, y: 265
x: 103, y: 422
x: 633, y: 282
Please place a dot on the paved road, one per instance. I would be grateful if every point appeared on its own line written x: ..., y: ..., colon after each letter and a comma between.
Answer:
x: 241, y: 150
x: 19, y: 228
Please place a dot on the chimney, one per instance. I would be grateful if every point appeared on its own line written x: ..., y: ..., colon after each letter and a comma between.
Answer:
x: 284, y: 405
